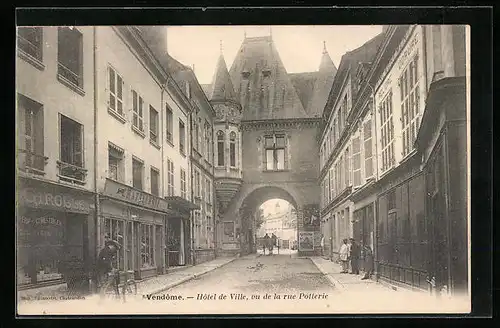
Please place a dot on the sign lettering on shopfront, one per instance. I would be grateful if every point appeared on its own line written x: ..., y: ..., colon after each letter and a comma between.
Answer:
x: 36, y: 198
x: 135, y: 196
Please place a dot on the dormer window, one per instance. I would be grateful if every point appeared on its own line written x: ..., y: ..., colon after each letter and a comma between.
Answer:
x: 245, y: 74
x: 266, y: 72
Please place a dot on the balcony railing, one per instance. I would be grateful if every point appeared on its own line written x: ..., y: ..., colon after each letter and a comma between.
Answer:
x: 31, y: 163
x: 71, y: 173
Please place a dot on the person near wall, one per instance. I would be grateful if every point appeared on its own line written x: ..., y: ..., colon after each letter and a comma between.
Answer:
x: 105, y: 261
x: 266, y: 243
x: 343, y: 256
x: 355, y: 253
x: 368, y: 262
x: 272, y: 243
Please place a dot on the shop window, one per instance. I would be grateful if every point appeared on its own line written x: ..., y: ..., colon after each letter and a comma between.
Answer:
x: 115, y: 92
x: 220, y: 148
x: 137, y: 173
x: 232, y: 149
x: 153, y: 125
x: 169, y: 121
x: 183, y: 183
x: 115, y: 162
x: 41, y: 240
x: 410, y: 109
x: 155, y: 179
x: 71, y: 156
x: 31, y: 138
x: 147, y: 246
x: 182, y: 137
x: 70, y: 55
x: 30, y: 41
x: 275, y: 152
x: 170, y: 178
x: 387, y: 132
x: 129, y: 249
x: 114, y: 230
x: 138, y: 113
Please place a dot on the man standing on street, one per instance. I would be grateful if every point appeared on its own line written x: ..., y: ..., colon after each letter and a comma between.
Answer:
x: 355, y: 254
x: 344, y: 254
x: 273, y: 241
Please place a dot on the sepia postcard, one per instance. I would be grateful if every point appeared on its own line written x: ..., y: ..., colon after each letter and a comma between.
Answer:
x: 242, y: 169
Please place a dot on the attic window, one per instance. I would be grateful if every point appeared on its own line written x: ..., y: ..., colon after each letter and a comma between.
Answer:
x: 266, y: 72
x: 245, y: 74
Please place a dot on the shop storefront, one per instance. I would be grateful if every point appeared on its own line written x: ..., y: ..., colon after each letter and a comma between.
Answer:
x: 179, y: 232
x: 137, y: 220
x: 54, y: 224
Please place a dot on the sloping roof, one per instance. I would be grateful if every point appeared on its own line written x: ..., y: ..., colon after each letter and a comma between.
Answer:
x: 222, y: 87
x: 304, y: 85
x: 262, y: 84
x: 323, y: 85
x: 207, y: 88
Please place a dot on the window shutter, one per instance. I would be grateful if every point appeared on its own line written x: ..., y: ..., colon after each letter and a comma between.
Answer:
x: 77, y: 146
x: 38, y: 132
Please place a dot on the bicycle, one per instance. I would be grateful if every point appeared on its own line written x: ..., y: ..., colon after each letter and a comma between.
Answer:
x: 112, y: 285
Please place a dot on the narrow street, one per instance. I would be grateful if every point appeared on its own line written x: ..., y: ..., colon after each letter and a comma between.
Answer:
x: 246, y: 285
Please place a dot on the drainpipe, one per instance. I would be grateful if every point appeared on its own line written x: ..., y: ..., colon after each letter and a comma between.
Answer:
x: 164, y: 245
x: 96, y: 166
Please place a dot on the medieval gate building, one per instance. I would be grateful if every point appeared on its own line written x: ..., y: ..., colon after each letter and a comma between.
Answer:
x: 266, y: 127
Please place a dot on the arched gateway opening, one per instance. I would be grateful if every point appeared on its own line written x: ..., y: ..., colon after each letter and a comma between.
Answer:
x: 271, y: 210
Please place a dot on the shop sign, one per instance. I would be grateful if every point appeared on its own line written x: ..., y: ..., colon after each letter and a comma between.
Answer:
x: 129, y: 194
x: 44, y: 199
x: 306, y: 241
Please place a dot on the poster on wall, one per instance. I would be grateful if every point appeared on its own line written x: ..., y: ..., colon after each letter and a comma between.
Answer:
x: 317, y: 238
x: 311, y: 216
x: 306, y: 241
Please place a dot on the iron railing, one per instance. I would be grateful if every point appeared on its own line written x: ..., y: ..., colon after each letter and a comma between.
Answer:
x: 72, y: 173
x: 30, y: 162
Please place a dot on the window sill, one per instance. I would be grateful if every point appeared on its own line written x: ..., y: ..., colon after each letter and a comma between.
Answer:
x: 170, y: 143
x: 117, y: 115
x: 273, y: 171
x: 233, y: 168
x: 31, y: 60
x: 155, y: 144
x: 139, y: 132
x: 71, y: 85
x: 220, y: 167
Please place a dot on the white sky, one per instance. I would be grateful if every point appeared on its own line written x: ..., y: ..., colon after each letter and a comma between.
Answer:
x: 300, y: 47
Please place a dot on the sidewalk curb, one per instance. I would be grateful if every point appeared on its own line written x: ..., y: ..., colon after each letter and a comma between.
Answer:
x: 336, y: 283
x: 188, y: 278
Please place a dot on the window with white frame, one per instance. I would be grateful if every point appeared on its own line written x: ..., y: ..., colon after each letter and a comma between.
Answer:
x: 368, y: 152
x: 232, y: 149
x: 115, y: 230
x: 332, y: 181
x: 170, y: 178
x: 197, y: 182
x: 169, y: 122
x: 115, y: 91
x: 70, y: 55
x: 153, y: 125
x: 356, y: 161
x: 183, y: 184
x: 71, y: 142
x: 410, y: 111
x: 31, y: 138
x: 182, y: 137
x: 275, y: 152
x: 116, y: 166
x: 30, y: 40
x: 387, y: 132
x: 155, y: 179
x: 138, y: 110
x: 137, y: 173
x: 347, y: 168
x: 220, y: 148
x: 147, y: 245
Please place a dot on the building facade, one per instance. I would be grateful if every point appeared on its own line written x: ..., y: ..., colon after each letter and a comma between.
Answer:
x: 201, y: 123
x: 398, y: 209
x: 55, y: 155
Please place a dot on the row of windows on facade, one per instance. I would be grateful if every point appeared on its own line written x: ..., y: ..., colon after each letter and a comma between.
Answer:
x: 410, y: 120
x: 70, y: 59
x: 69, y: 51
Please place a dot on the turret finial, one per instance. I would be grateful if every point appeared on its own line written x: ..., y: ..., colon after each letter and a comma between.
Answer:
x: 221, y: 47
x: 324, y: 47
x: 271, y: 32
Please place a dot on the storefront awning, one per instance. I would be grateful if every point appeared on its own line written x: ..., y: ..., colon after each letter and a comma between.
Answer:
x: 181, y: 204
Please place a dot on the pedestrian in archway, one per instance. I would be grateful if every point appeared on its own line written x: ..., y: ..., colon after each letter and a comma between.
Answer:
x: 344, y: 255
x: 265, y: 243
x: 354, y: 255
x: 368, y: 262
x: 273, y: 241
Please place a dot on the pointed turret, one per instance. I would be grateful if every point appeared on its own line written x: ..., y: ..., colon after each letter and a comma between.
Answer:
x: 222, y: 87
x: 326, y: 64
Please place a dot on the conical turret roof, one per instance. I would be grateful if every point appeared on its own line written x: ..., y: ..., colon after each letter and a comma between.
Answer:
x: 326, y: 64
x: 222, y: 87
